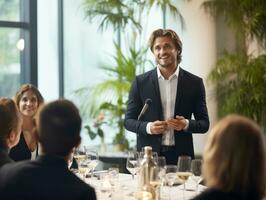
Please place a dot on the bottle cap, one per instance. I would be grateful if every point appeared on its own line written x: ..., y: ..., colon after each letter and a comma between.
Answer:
x: 148, y: 150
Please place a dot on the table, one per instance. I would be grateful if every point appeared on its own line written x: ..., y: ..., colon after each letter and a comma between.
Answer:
x: 125, y: 189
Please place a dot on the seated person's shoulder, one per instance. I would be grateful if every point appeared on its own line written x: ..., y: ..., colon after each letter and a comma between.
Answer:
x: 213, y: 194
x: 13, y: 169
x: 78, y: 182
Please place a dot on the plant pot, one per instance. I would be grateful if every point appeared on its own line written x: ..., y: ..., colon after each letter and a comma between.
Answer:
x: 119, y: 147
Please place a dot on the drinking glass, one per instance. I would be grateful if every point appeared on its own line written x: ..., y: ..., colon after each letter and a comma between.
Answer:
x: 170, y: 176
x: 92, y: 158
x: 161, y: 163
x: 196, y: 172
x: 133, y: 163
x: 70, y: 160
x: 113, y: 174
x: 184, y: 170
x: 105, y: 186
x: 80, y: 157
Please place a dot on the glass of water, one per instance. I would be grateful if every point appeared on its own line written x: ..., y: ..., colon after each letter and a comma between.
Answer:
x: 170, y: 176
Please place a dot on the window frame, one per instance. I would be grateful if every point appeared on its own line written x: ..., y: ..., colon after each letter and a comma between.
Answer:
x: 28, y: 31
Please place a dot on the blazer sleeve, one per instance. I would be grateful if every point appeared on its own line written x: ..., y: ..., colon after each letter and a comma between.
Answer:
x: 201, y: 122
x: 134, y: 107
x: 90, y: 194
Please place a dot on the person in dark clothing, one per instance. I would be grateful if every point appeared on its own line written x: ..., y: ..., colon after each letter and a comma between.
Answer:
x: 48, y: 176
x: 234, y: 161
x: 10, y: 128
x: 174, y: 95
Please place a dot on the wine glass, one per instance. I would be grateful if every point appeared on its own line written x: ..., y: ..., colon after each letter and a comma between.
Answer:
x: 184, y: 170
x: 196, y: 172
x: 133, y: 163
x: 92, y: 158
x: 113, y: 174
x: 155, y: 180
x: 161, y: 163
x: 170, y: 176
x: 80, y: 157
x: 70, y: 159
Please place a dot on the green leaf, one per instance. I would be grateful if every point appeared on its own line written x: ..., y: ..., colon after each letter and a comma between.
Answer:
x: 100, y: 133
x: 90, y: 132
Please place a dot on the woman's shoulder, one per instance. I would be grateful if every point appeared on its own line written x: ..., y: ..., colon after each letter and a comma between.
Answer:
x: 213, y: 194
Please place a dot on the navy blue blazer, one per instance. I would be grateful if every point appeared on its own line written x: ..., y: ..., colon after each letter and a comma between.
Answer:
x: 45, y: 178
x: 190, y: 99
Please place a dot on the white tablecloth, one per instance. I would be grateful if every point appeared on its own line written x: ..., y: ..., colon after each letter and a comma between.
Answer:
x: 125, y: 188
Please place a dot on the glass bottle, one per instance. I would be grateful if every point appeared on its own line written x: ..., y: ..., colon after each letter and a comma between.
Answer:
x: 147, y: 170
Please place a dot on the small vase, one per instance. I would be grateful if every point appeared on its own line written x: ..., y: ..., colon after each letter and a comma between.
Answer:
x: 118, y: 147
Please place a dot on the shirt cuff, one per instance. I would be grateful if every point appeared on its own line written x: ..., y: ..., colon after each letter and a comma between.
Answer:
x: 148, y: 128
x: 187, y: 125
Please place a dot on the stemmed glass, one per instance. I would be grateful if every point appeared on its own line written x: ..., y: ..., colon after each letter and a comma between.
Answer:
x: 80, y: 157
x: 92, y: 158
x: 184, y: 170
x: 196, y: 171
x: 161, y: 164
x: 170, y: 176
x: 70, y: 159
x: 133, y: 163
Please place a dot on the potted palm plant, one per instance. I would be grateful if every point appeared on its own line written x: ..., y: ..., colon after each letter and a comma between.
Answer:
x: 240, y: 76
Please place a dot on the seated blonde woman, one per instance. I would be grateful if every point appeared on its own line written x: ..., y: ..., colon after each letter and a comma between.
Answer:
x: 234, y: 161
x: 10, y: 128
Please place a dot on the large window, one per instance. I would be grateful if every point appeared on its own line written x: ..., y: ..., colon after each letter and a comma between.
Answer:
x: 9, y: 61
x: 86, y: 49
x: 18, y: 52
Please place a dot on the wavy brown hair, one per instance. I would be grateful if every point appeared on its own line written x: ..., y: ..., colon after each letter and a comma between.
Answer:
x: 9, y: 119
x: 167, y: 33
x: 234, y: 158
x: 28, y: 87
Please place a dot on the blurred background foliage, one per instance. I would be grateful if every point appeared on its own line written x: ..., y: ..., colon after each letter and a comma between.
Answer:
x: 240, y: 76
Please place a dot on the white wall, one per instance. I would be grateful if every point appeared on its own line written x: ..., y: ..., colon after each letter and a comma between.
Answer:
x: 199, y: 52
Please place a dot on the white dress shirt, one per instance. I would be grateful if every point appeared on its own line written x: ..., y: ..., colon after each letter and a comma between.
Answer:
x: 168, y: 88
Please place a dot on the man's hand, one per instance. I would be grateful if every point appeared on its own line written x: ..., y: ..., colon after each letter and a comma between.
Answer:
x: 158, y: 127
x: 179, y: 123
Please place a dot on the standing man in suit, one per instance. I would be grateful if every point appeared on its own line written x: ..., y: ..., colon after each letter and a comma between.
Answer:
x: 175, y: 95
x: 48, y: 177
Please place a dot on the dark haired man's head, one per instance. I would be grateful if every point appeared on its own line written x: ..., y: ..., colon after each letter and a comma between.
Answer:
x: 58, y: 127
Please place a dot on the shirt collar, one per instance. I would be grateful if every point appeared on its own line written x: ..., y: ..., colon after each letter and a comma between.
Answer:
x: 173, y: 75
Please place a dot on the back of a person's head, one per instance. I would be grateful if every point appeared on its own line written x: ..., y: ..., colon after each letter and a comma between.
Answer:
x: 234, y: 157
x: 58, y: 127
x: 9, y: 120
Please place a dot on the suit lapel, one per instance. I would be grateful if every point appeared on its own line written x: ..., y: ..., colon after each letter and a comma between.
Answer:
x: 180, y: 89
x: 155, y: 84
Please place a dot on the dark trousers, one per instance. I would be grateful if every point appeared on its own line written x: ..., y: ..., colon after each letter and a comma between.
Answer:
x: 170, y: 155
